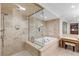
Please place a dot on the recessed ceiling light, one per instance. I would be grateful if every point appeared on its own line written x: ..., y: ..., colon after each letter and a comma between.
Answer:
x: 73, y: 6
x: 21, y: 8
x: 74, y: 16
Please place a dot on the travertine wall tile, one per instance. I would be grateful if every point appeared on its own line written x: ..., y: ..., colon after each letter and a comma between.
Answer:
x: 53, y: 28
x: 0, y: 30
x: 16, y: 32
x: 35, y: 26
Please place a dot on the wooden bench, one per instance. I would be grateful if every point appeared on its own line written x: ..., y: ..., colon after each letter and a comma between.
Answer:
x: 70, y: 44
x: 64, y: 42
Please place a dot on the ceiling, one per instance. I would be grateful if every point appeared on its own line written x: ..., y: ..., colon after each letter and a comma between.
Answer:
x: 67, y: 11
x: 45, y: 15
x: 30, y: 8
x: 50, y: 11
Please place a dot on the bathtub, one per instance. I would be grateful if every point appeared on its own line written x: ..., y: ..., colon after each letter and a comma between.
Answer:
x: 42, y: 46
x: 45, y: 41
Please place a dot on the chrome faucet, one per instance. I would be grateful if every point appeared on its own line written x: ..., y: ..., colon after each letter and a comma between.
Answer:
x: 43, y: 41
x: 32, y: 39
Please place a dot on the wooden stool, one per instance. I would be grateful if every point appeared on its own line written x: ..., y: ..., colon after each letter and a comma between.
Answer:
x: 70, y: 44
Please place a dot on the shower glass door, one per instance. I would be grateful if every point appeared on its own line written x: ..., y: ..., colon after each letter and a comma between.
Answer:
x: 37, y: 29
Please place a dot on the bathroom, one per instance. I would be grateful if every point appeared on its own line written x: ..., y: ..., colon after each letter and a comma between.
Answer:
x: 31, y: 29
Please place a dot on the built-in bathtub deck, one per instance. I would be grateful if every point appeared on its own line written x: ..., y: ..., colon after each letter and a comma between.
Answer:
x: 37, y: 50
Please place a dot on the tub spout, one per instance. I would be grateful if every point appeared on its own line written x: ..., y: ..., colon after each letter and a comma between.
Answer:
x: 32, y: 39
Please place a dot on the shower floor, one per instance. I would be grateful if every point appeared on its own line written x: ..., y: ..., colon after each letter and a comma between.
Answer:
x: 57, y: 52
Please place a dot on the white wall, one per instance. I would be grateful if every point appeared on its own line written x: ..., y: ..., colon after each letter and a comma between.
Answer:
x: 68, y: 35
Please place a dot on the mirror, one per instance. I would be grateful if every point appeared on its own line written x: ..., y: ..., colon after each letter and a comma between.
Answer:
x: 64, y: 29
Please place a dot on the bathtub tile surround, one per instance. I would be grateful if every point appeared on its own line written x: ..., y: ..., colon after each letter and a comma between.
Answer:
x: 39, y: 49
x: 35, y: 27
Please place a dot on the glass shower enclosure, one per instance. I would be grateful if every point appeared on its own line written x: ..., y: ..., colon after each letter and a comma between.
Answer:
x: 18, y: 26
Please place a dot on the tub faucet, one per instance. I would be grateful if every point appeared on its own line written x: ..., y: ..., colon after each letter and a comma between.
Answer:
x: 43, y: 41
x: 32, y: 39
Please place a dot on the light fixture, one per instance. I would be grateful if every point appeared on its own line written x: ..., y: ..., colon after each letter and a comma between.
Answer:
x: 73, y: 6
x: 72, y: 29
x: 20, y: 7
x: 74, y: 16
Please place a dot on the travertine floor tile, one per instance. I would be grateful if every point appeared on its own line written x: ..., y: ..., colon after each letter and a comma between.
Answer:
x: 57, y: 52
